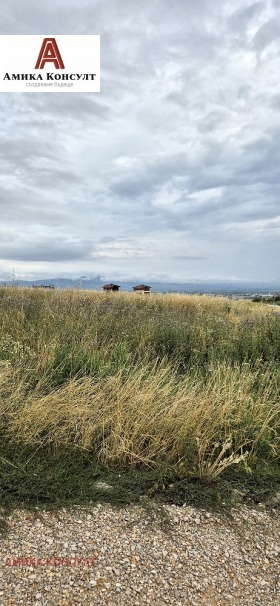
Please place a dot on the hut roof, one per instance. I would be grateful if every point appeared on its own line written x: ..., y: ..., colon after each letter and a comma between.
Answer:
x: 141, y: 287
x: 108, y: 286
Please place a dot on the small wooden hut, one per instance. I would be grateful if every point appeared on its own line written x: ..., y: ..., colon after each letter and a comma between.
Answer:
x: 142, y: 289
x: 110, y: 287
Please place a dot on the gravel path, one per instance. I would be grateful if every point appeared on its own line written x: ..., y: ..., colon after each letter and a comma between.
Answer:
x: 133, y: 556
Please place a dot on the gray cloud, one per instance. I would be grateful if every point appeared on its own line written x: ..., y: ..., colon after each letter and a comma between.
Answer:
x: 188, y: 258
x: 243, y: 16
x: 46, y: 249
x: 267, y: 33
x: 172, y: 170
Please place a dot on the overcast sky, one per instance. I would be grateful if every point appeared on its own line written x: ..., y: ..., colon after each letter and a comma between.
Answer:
x: 172, y: 171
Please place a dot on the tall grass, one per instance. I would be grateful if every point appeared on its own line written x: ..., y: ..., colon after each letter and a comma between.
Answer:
x: 188, y: 382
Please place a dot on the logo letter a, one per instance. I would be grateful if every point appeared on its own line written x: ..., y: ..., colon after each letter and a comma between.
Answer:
x: 49, y: 53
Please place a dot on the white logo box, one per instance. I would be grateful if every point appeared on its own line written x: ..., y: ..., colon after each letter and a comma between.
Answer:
x: 80, y: 56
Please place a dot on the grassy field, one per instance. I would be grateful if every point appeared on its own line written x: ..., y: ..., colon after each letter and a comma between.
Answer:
x: 148, y: 392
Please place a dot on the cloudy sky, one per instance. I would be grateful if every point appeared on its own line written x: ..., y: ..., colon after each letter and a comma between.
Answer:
x: 172, y: 171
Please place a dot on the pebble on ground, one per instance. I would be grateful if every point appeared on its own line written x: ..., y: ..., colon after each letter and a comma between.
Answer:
x: 100, y: 555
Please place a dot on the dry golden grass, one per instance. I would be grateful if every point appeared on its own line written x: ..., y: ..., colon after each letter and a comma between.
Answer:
x: 188, y: 381
x: 150, y: 417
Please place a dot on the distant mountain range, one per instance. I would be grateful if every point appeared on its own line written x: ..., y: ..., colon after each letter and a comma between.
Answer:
x: 192, y: 286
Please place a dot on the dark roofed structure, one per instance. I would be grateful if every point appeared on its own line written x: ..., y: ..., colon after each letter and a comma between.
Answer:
x: 43, y: 286
x: 110, y: 287
x: 142, y: 289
